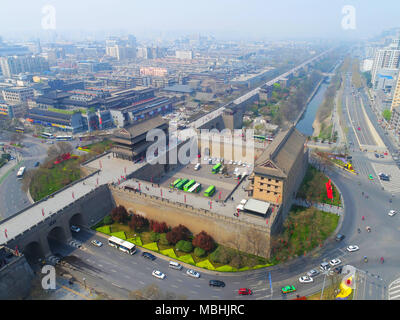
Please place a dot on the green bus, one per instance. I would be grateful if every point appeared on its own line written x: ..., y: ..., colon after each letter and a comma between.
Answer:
x: 188, y: 185
x: 210, y: 191
x: 262, y: 138
x: 175, y: 183
x: 195, y: 188
x: 181, y: 184
x: 216, y: 168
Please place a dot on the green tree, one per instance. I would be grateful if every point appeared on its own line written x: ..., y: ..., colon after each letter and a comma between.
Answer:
x: 387, y: 114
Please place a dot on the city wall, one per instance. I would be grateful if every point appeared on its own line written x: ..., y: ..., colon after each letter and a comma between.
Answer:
x: 227, y: 231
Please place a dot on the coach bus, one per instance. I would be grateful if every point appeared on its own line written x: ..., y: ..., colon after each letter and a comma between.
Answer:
x: 216, y: 168
x: 210, y: 191
x: 63, y: 138
x: 20, y: 172
x: 47, y: 135
x: 188, y: 185
x: 20, y: 129
x: 122, y: 245
x: 175, y: 183
x: 181, y: 184
x: 195, y: 188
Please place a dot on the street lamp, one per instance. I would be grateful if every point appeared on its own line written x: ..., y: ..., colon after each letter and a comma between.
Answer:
x: 84, y: 281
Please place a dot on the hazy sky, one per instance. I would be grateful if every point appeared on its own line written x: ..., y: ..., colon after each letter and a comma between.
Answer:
x: 234, y: 18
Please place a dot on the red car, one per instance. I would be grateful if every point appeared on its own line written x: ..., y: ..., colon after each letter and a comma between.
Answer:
x: 244, y: 291
x: 359, y: 129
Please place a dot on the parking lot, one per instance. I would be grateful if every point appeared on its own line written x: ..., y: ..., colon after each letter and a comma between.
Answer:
x: 224, y: 183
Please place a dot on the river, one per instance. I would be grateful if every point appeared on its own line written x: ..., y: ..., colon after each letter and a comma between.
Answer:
x: 306, y: 121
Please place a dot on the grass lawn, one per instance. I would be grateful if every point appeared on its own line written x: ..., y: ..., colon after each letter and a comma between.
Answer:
x: 151, y: 246
x: 47, y: 181
x: 313, y: 188
x: 304, y: 230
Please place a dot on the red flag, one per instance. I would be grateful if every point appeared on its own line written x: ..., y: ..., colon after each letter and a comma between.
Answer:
x: 42, y: 212
x: 16, y: 250
x: 73, y: 197
x: 5, y: 232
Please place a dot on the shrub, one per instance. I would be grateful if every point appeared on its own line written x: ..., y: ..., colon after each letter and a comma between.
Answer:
x: 204, y: 241
x: 138, y: 223
x: 154, y: 236
x: 163, y: 239
x: 107, y: 220
x: 185, y: 246
x: 199, y: 252
x: 159, y: 227
x: 221, y: 255
x: 119, y: 214
x: 178, y: 233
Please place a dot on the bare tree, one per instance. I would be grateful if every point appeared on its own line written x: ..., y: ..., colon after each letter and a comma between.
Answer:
x: 64, y: 147
x: 256, y: 241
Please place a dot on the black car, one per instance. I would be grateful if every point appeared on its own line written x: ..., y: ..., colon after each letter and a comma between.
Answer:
x: 338, y: 269
x: 216, y: 283
x: 37, y: 164
x: 148, y: 256
x: 339, y: 237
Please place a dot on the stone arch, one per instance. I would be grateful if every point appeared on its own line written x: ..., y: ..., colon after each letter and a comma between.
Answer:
x: 33, y: 252
x: 77, y: 220
x: 57, y: 233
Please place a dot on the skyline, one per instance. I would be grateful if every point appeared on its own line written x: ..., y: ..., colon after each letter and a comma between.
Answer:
x: 254, y: 20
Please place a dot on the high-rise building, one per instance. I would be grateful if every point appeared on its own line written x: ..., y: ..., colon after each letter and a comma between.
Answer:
x: 396, y: 95
x: 386, y: 58
x: 20, y: 64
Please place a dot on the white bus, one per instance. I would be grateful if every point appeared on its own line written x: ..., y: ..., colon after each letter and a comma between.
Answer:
x: 122, y: 245
x: 63, y: 138
x: 195, y: 188
x: 47, y: 135
x: 20, y: 172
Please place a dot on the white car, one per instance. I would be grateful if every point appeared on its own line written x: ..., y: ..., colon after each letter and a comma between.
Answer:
x: 192, y: 273
x: 305, y: 279
x: 96, y: 243
x: 335, y: 262
x: 230, y: 162
x: 352, y: 248
x: 392, y: 213
x: 75, y: 229
x: 158, y: 274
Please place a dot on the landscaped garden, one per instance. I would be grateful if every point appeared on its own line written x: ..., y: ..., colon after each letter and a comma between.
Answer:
x: 178, y: 243
x: 304, y: 230
x: 313, y: 188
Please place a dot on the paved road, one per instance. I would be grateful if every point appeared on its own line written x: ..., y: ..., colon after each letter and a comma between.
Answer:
x: 12, y: 198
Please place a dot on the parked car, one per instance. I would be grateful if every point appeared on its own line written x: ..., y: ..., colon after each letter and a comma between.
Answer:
x: 245, y: 292
x: 288, y: 289
x: 192, y: 273
x: 37, y: 164
x: 75, y: 229
x: 148, y: 255
x: 216, y: 283
x: 96, y: 243
x: 158, y: 274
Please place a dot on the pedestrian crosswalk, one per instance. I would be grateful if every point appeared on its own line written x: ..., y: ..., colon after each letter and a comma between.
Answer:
x: 394, y: 290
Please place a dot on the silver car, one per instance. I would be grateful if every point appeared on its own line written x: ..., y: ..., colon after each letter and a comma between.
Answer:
x: 192, y: 273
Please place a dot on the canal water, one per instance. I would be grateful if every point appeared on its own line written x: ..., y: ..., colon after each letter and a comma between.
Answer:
x: 306, y: 121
